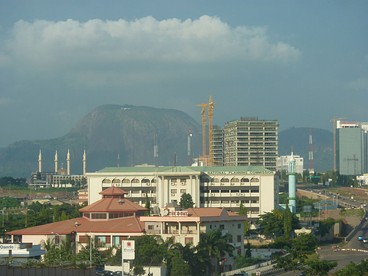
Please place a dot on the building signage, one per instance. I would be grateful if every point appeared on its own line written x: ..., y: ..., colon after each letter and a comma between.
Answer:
x: 128, y: 250
x: 178, y: 213
x: 9, y: 246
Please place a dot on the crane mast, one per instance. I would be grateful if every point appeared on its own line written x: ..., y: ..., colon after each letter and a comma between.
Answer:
x: 210, y: 131
x: 203, y: 114
x: 207, y: 159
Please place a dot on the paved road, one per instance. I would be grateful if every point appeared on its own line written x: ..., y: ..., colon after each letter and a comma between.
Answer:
x: 354, y: 251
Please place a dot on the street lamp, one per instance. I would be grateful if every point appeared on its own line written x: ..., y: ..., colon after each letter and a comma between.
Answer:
x: 76, y: 224
x: 26, y: 224
x: 90, y: 250
x: 3, y: 228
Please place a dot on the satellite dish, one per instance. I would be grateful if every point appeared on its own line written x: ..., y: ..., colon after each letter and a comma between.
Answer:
x: 165, y: 212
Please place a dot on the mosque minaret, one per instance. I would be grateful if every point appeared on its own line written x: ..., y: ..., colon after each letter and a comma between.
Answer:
x: 40, y: 161
x: 68, y: 163
x: 56, y: 162
x: 84, y: 163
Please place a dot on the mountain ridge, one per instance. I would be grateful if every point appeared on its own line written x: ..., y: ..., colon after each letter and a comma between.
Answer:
x: 128, y: 131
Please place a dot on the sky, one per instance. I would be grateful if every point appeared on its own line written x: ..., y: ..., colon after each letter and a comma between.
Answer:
x: 302, y: 63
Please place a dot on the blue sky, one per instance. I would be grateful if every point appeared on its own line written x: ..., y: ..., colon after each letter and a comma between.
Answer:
x: 299, y: 62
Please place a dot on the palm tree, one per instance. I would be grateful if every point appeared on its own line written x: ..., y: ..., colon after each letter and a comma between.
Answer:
x: 215, y: 246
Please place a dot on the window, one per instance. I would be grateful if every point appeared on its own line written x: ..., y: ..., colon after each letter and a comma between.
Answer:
x: 116, y: 240
x: 98, y: 216
x: 238, y: 238
x: 173, y: 191
x: 84, y: 239
x: 239, y: 225
x: 188, y: 240
x: 102, y: 240
x: 183, y: 191
x: 222, y: 227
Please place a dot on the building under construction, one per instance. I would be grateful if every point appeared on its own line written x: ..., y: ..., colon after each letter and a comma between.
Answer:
x: 244, y: 142
x: 251, y: 142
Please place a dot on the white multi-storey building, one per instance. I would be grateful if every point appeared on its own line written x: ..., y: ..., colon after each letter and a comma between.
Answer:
x: 253, y: 186
x: 251, y: 142
x: 284, y: 160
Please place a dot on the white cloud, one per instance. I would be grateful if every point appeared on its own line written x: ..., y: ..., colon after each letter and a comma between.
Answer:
x: 52, y: 44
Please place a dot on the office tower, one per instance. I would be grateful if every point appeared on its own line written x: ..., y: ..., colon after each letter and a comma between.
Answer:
x: 251, y: 142
x: 351, y: 147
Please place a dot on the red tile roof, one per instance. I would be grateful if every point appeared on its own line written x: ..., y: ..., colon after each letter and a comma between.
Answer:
x: 119, y: 225
x: 111, y: 204
x: 113, y: 191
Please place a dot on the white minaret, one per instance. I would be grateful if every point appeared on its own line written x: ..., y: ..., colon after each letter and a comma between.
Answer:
x: 68, y: 163
x: 292, y: 184
x: 40, y: 161
x: 56, y: 162
x: 84, y: 163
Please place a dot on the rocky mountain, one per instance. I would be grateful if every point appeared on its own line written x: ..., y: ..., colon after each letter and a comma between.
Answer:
x: 112, y: 135
x: 123, y: 135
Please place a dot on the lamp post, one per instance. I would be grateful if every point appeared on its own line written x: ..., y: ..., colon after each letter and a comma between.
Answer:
x: 76, y: 224
x: 90, y: 250
x: 26, y: 224
x: 3, y: 228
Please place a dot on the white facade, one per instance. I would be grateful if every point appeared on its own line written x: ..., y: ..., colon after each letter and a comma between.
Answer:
x: 283, y: 161
x: 227, y: 187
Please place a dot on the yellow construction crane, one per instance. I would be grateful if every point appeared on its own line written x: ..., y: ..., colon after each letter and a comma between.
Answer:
x: 203, y: 113
x: 210, y: 131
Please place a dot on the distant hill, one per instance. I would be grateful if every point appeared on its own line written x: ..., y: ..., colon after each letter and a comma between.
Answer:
x: 297, y: 138
x: 128, y: 131
x: 105, y: 133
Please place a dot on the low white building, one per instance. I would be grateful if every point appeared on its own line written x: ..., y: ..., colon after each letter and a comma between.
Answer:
x: 362, y: 179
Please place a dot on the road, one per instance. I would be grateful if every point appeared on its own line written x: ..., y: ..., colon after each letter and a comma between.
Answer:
x: 353, y: 251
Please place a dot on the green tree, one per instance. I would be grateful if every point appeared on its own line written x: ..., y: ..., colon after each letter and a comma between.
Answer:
x: 179, y: 267
x: 58, y: 254
x: 273, y: 223
x: 248, y: 251
x: 354, y: 269
x: 319, y: 268
x: 90, y: 253
x: 287, y: 222
x: 216, y: 246
x: 186, y: 201
x: 243, y: 212
x: 150, y: 251
x: 147, y: 205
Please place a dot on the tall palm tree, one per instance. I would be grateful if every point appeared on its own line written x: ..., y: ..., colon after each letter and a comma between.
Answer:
x: 215, y: 246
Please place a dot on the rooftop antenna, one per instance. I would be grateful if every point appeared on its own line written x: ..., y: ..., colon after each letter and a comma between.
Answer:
x: 310, y: 154
x: 189, y: 149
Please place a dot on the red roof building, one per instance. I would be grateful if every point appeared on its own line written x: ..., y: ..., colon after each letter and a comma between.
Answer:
x: 108, y: 221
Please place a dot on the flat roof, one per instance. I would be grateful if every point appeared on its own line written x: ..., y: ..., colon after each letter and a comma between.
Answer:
x: 188, y: 169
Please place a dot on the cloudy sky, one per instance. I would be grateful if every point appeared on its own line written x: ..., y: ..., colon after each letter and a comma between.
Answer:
x: 299, y: 62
